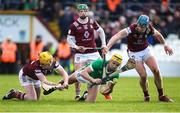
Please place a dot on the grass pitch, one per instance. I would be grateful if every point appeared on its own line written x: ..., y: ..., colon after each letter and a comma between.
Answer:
x: 127, y: 97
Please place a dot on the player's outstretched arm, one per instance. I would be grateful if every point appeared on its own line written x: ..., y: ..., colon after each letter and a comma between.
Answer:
x: 118, y: 36
x: 85, y: 75
x: 102, y: 36
x: 62, y: 72
x: 43, y: 79
x: 161, y: 39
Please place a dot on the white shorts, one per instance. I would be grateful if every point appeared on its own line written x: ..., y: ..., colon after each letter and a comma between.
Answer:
x: 80, y: 78
x: 81, y: 58
x: 25, y: 80
x: 141, y: 55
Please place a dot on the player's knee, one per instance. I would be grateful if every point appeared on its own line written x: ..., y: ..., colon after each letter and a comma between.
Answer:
x: 142, y: 74
x: 156, y: 72
x: 32, y: 97
x: 144, y: 78
x: 90, y: 100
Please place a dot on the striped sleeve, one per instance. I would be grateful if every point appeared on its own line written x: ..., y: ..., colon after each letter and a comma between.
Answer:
x: 38, y: 72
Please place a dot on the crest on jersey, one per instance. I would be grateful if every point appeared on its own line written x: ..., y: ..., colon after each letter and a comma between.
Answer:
x: 79, y: 27
x: 86, y: 34
x: 140, y: 36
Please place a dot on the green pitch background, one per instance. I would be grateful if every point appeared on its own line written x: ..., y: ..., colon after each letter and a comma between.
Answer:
x: 127, y: 97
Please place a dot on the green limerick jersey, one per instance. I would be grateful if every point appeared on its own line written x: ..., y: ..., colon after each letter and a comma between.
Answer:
x: 97, y: 67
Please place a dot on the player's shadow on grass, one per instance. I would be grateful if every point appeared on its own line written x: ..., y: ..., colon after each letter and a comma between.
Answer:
x: 125, y: 102
x: 58, y: 101
x: 72, y: 102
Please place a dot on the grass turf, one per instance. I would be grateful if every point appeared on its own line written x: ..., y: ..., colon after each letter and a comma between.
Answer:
x: 127, y: 97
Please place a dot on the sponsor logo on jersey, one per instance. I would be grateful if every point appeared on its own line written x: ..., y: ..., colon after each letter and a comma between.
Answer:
x: 79, y: 27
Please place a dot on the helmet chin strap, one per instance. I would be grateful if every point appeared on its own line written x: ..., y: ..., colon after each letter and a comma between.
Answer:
x: 108, y: 71
x: 51, y: 62
x: 83, y: 21
x: 83, y: 17
x: 141, y: 32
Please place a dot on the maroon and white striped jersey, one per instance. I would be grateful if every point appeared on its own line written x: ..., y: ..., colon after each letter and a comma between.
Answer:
x: 33, y: 69
x: 138, y: 41
x: 84, y: 33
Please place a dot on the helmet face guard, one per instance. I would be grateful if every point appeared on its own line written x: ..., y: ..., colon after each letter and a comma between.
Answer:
x: 114, y: 62
x: 143, y: 20
x: 45, y: 59
x: 83, y: 10
x: 117, y: 58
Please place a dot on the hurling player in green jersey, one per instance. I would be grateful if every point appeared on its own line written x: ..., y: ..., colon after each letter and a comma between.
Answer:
x: 93, y: 73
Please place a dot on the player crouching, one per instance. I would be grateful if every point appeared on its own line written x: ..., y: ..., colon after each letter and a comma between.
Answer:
x: 107, y: 89
x: 32, y: 74
x: 92, y: 74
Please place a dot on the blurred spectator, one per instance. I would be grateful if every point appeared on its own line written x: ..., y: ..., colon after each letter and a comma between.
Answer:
x: 165, y: 17
x: 163, y: 28
x: 19, y: 4
x: 12, y: 4
x: 8, y: 57
x: 0, y: 52
x: 64, y: 12
x: 30, y: 4
x: 171, y: 24
x: 122, y: 22
x: 0, y: 58
x: 64, y: 54
x: 36, y: 47
x: 49, y: 47
x: 176, y: 19
x: 23, y: 54
x: 65, y: 19
x: 47, y: 9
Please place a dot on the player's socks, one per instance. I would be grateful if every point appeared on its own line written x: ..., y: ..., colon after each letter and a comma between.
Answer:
x: 146, y: 96
x: 20, y: 95
x: 77, y: 95
x: 146, y: 93
x: 78, y: 92
x: 160, y: 91
x: 84, y: 96
x: 14, y: 94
